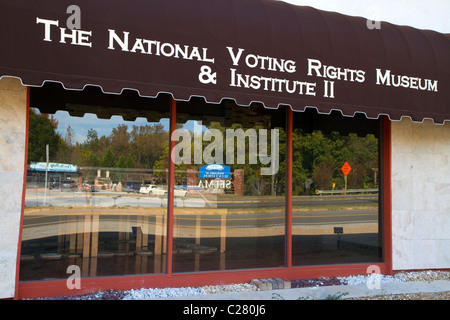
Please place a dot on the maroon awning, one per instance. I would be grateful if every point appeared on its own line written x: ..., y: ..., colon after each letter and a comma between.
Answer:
x: 247, y: 50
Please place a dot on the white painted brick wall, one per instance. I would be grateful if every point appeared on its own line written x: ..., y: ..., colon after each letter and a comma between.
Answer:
x: 13, y: 100
x: 420, y: 195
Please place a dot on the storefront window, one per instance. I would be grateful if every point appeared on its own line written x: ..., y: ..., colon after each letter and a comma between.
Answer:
x: 97, y: 190
x: 336, y: 190
x: 100, y: 203
x: 229, y: 188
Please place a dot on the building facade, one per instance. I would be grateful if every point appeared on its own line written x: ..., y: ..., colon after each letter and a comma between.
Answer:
x: 207, y: 155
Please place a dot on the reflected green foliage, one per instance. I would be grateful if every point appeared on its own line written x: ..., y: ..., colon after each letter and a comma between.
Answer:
x: 319, y: 157
x: 42, y: 131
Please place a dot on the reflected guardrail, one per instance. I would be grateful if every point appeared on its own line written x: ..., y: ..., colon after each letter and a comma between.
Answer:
x: 368, y: 190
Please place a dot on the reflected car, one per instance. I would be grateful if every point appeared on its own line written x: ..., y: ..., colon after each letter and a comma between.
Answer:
x: 152, y: 189
x: 69, y: 185
x: 86, y: 187
x: 54, y: 185
x: 180, y: 192
x: 131, y: 186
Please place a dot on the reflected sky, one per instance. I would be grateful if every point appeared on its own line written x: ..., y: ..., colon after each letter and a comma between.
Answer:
x: 81, y: 125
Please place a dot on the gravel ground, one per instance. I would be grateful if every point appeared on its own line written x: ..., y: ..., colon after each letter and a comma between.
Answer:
x: 409, y: 296
x: 154, y: 293
x: 411, y: 276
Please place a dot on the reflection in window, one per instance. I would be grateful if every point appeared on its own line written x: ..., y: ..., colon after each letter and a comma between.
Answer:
x: 335, y: 217
x: 98, y: 198
x: 90, y: 205
x: 233, y: 168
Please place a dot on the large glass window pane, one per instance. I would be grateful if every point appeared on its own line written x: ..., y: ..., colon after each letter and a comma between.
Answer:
x: 336, y: 217
x: 101, y: 202
x: 230, y: 187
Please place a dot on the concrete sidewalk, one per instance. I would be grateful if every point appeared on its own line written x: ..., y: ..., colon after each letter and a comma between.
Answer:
x: 328, y: 292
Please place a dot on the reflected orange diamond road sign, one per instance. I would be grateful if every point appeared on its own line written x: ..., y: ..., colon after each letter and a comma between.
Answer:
x: 346, y: 168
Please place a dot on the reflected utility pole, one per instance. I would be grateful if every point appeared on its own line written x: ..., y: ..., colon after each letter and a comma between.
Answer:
x: 46, y: 174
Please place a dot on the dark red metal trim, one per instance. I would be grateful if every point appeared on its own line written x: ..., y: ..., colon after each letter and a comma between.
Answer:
x: 173, y: 123
x: 387, y: 193
x: 56, y: 288
x: 289, y: 129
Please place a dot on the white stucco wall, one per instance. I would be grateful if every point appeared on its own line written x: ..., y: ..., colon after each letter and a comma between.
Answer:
x: 13, y: 101
x: 420, y: 195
